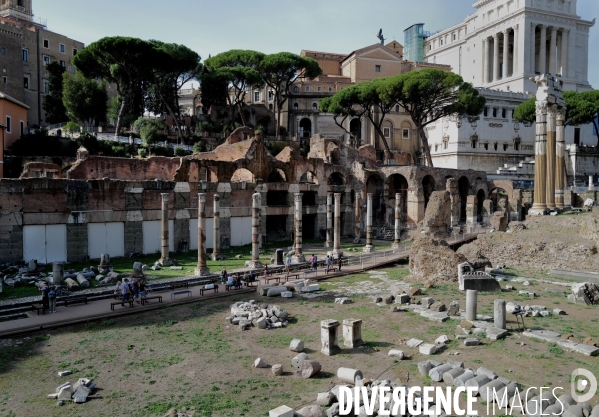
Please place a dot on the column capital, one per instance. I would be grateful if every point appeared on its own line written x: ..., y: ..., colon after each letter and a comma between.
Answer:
x: 541, y: 107
x: 486, y: 40
x: 515, y: 28
x: 201, y: 197
x: 337, y: 196
x: 561, y: 114
x: 506, y: 31
x: 554, y: 30
x: 164, y: 196
x: 495, y: 36
x: 297, y: 197
x: 552, y: 111
x: 369, y: 196
x: 216, y: 197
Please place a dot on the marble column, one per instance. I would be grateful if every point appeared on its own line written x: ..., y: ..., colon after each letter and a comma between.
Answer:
x: 499, y: 319
x: 516, y: 51
x: 591, y: 183
x: 564, y: 53
x: 164, y: 247
x: 553, y: 52
x: 395, y: 244
x: 559, y: 157
x: 550, y: 190
x: 202, y: 268
x: 337, y: 233
x: 357, y: 212
x: 369, y: 247
x: 328, y: 242
x: 533, y: 52
x: 506, y: 54
x: 486, y: 61
x: 471, y: 303
x: 256, y: 230
x: 495, y: 57
x: 299, y: 256
x: 216, y: 228
x: 539, y: 206
x: 543, y: 50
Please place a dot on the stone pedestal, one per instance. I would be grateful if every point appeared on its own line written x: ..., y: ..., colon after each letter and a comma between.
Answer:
x: 216, y: 228
x: 104, y: 262
x: 328, y: 337
x: 256, y: 229
x: 329, y: 241
x: 164, y: 249
x: 299, y: 256
x: 201, y: 269
x: 369, y: 247
x: 591, y: 183
x: 337, y: 253
x: 352, y: 333
x: 357, y: 212
x: 471, y: 301
x: 499, y: 319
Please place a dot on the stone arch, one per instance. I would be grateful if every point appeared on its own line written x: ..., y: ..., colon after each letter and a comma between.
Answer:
x: 242, y: 174
x: 428, y: 186
x: 480, y: 198
x: 463, y: 189
x: 336, y: 179
x: 277, y: 176
x: 305, y: 128
x: 376, y: 186
x: 309, y: 177
x: 397, y: 183
x: 355, y: 128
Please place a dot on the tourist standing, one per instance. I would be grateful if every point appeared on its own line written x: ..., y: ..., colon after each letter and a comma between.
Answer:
x: 45, y: 301
x: 52, y: 299
x: 117, y: 290
x: 125, y: 290
x: 287, y: 263
x: 339, y: 262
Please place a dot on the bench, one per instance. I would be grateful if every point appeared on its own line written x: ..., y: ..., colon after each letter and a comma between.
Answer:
x: 38, y: 308
x: 144, y: 300
x: 215, y: 290
x: 179, y: 285
x: 175, y: 294
x: 77, y: 299
x: 288, y: 276
x: 278, y: 279
x: 228, y: 287
x: 114, y: 303
x: 249, y: 283
x: 334, y: 269
x: 312, y: 271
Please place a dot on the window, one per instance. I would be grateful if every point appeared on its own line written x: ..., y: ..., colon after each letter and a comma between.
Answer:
x: 454, y: 36
x: 63, y: 64
x: 494, y: 112
x: 61, y: 48
x: 295, y: 106
x: 377, y: 68
x: 486, y: 111
x: 473, y: 143
x: 503, y: 113
x: 577, y: 136
x: 256, y: 95
x: 441, y: 42
x: 495, y: 146
x: 318, y: 88
x: 270, y: 107
x: 430, y: 47
x: 314, y: 106
x: 505, y: 145
x: 517, y: 144
x: 26, y: 82
x: 3, y: 51
x: 46, y: 43
x: 22, y: 128
x: 46, y: 87
x: 5, y: 80
x: 330, y: 89
x: 445, y: 144
x: 386, y: 132
x: 405, y: 133
x: 486, y: 146
x: 296, y: 89
x: 8, y: 124
x: 271, y: 95
x: 25, y: 55
x: 203, y: 174
x: 74, y: 51
x: 46, y: 60
x: 397, y: 108
x: 307, y: 88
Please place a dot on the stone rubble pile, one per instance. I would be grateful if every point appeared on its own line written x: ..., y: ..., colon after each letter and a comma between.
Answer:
x: 261, y: 315
x: 77, y: 392
x: 569, y: 343
x: 584, y: 293
x: 531, y: 310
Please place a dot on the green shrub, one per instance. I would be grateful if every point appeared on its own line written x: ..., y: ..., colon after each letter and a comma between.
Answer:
x: 153, y: 132
x: 180, y: 151
x: 199, y: 147
x: 142, y: 152
x: 72, y: 127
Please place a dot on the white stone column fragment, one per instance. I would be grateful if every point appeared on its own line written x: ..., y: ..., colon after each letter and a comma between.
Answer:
x: 202, y: 268
x: 337, y: 228
x: 164, y: 246
x: 499, y: 319
x: 328, y: 242
x: 396, y: 242
x: 369, y: 247
x: 543, y: 50
x: 495, y: 57
x: 216, y: 228
x: 506, y: 52
x: 471, y: 301
x: 357, y: 211
x: 559, y: 158
x: 299, y: 256
x: 256, y: 230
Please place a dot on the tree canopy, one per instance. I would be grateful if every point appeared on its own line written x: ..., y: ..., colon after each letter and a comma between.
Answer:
x: 280, y: 70
x: 85, y: 99
x: 52, y: 102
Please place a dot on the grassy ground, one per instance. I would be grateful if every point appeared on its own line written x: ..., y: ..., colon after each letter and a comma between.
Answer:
x: 187, y: 356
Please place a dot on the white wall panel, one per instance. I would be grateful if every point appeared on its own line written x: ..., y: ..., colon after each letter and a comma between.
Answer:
x: 193, y: 233
x: 151, y: 231
x: 46, y: 243
x: 34, y: 243
x: 106, y: 238
x: 56, y: 243
x: 241, y: 231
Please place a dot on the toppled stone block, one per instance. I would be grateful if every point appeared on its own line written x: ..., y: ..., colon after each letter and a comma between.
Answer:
x: 442, y: 340
x: 80, y: 396
x: 454, y: 309
x: 64, y: 373
x: 473, y: 341
x: 487, y: 372
x: 282, y: 411
x: 311, y: 288
x: 438, y: 306
x: 311, y: 411
x: 349, y: 375
x: 64, y: 394
x: 388, y: 299
x: 324, y: 398
x: 277, y: 369
x: 414, y: 343
x: 397, y: 354
x: 260, y: 363
x: 297, y: 359
x: 494, y: 333
x: 308, y: 369
x: 296, y: 345
x: 287, y: 294
x: 414, y: 291
x: 343, y: 300
x: 427, y: 349
x: 402, y: 299
x: 559, y: 312
x: 427, y: 302
x: 437, y: 372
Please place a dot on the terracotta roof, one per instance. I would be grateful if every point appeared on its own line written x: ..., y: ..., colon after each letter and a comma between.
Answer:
x: 17, y: 102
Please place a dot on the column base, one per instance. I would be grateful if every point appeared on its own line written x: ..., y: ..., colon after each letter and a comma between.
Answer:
x: 538, y: 210
x: 335, y: 253
x: 215, y: 256
x: 368, y: 248
x: 298, y: 259
x: 551, y: 207
x: 166, y: 262
x: 200, y: 272
x: 395, y: 245
x: 328, y: 244
x: 255, y: 264
x: 334, y: 350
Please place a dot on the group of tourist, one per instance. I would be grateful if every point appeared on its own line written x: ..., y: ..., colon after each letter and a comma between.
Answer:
x: 48, y: 297
x: 131, y: 289
x: 236, y: 280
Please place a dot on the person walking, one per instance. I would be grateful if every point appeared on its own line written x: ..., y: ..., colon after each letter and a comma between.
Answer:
x: 142, y: 290
x: 265, y: 272
x: 315, y: 263
x: 339, y: 262
x: 52, y: 299
x: 287, y: 263
x: 125, y: 290
x: 117, y: 290
x: 311, y: 262
x: 136, y: 290
x: 45, y: 301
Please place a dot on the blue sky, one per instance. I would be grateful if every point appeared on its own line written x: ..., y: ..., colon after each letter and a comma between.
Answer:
x: 210, y: 27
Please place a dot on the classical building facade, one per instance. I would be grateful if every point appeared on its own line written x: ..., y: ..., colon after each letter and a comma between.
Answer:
x: 499, y: 48
x: 26, y: 47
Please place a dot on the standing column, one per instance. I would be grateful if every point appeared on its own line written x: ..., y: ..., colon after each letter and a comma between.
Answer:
x: 559, y: 157
x: 564, y: 53
x: 397, y: 221
x: 369, y: 247
x: 550, y: 190
x: 357, y: 229
x: 328, y: 243
x: 486, y: 61
x: 543, y: 50
x: 216, y: 228
x: 164, y: 259
x: 553, y: 52
x: 516, y: 51
x: 495, y: 57
x: 533, y: 46
x: 299, y: 256
x: 506, y: 53
x: 337, y: 236
x: 539, y: 206
x: 499, y: 314
x: 256, y: 229
x: 201, y: 269
x: 471, y: 304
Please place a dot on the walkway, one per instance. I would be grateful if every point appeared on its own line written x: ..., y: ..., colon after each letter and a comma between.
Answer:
x: 100, y: 309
